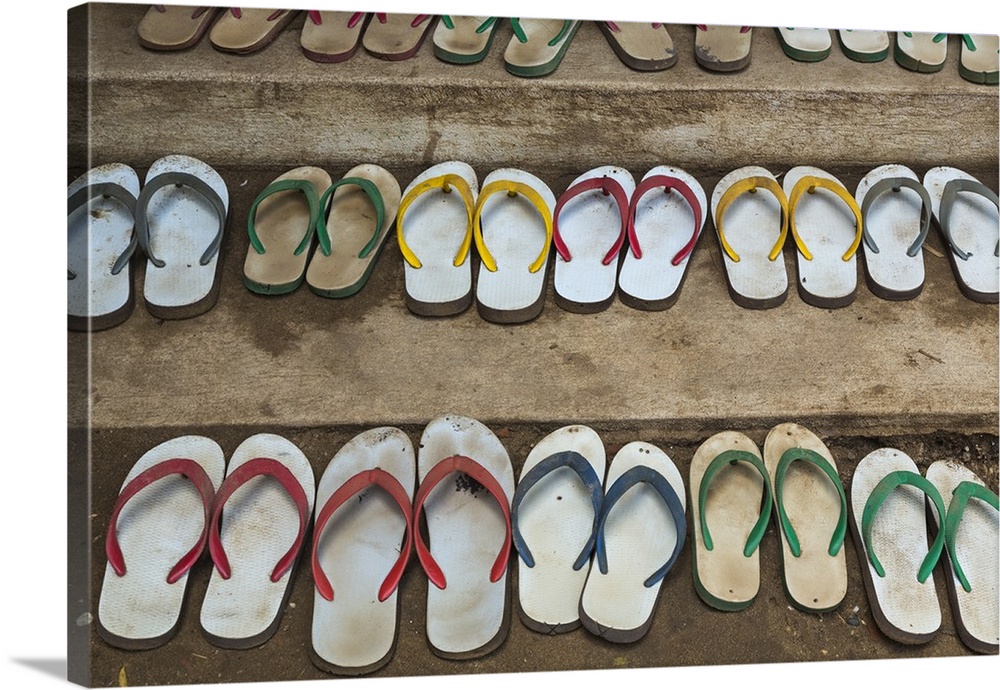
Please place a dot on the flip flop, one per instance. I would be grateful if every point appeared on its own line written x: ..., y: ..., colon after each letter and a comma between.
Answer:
x: 969, y: 222
x: 640, y: 534
x: 264, y: 505
x: 643, y: 46
x: 554, y: 522
x: 538, y: 45
x: 464, y: 40
x: 971, y: 538
x: 163, y: 510
x: 101, y: 241
x: 757, y: 225
x: 728, y: 481
x: 810, y: 508
x: 722, y: 48
x: 172, y: 27
x: 466, y: 481
x: 282, y: 223
x: 864, y: 46
x: 180, y: 217
x: 332, y: 36
x: 896, y: 211
x: 921, y: 52
x: 980, y: 58
x: 513, y: 233
x: 804, y: 45
x: 889, y: 526
x: 437, y: 269
x: 361, y: 544
x: 588, y: 232
x: 245, y: 30
x: 827, y: 227
x: 663, y: 230
x: 396, y: 36
x: 356, y: 213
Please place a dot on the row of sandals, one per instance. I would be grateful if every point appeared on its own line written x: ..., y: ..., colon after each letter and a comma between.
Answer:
x: 538, y: 45
x: 609, y: 234
x: 595, y: 542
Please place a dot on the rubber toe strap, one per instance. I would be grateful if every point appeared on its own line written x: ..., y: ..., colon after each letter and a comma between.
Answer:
x: 304, y: 186
x: 808, y: 185
x: 631, y: 477
x: 814, y: 458
x: 731, y: 457
x: 608, y: 185
x: 460, y: 463
x: 585, y: 471
x: 353, y: 486
x: 513, y: 189
x: 369, y: 188
x: 523, y: 37
x: 445, y: 183
x: 186, y: 180
x: 875, y: 501
x: 667, y: 182
x: 189, y: 469
x: 896, y: 184
x: 241, y: 475
x: 948, y: 197
x: 959, y: 499
x: 83, y: 196
x: 751, y: 185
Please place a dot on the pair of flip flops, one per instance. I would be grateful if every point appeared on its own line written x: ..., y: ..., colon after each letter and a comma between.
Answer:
x: 562, y: 516
x: 351, y: 219
x: 797, y: 480
x: 889, y: 523
x: 897, y: 210
x: 329, y: 36
x: 535, y: 50
x: 825, y: 222
x: 443, y: 210
x: 181, y: 498
x: 979, y: 61
x: 240, y: 30
x: 814, y: 45
x: 657, y: 222
x: 368, y: 516
x: 177, y: 219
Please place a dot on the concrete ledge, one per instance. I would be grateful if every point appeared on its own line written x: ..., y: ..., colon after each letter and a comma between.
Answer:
x: 278, y: 108
x: 300, y: 360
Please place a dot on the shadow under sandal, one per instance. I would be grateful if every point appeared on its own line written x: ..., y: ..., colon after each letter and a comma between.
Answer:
x: 101, y: 241
x: 810, y: 508
x: 889, y: 527
x: 157, y: 531
x: 971, y: 541
x: 180, y: 219
x: 264, y: 506
x: 640, y: 534
x: 554, y: 524
x: 361, y: 544
x: 896, y: 212
x: 729, y: 479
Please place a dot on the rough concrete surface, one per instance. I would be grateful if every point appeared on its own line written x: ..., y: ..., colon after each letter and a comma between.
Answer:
x: 276, y: 107
x: 920, y: 375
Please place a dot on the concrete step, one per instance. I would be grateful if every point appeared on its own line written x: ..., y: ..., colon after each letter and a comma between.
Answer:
x: 278, y: 108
